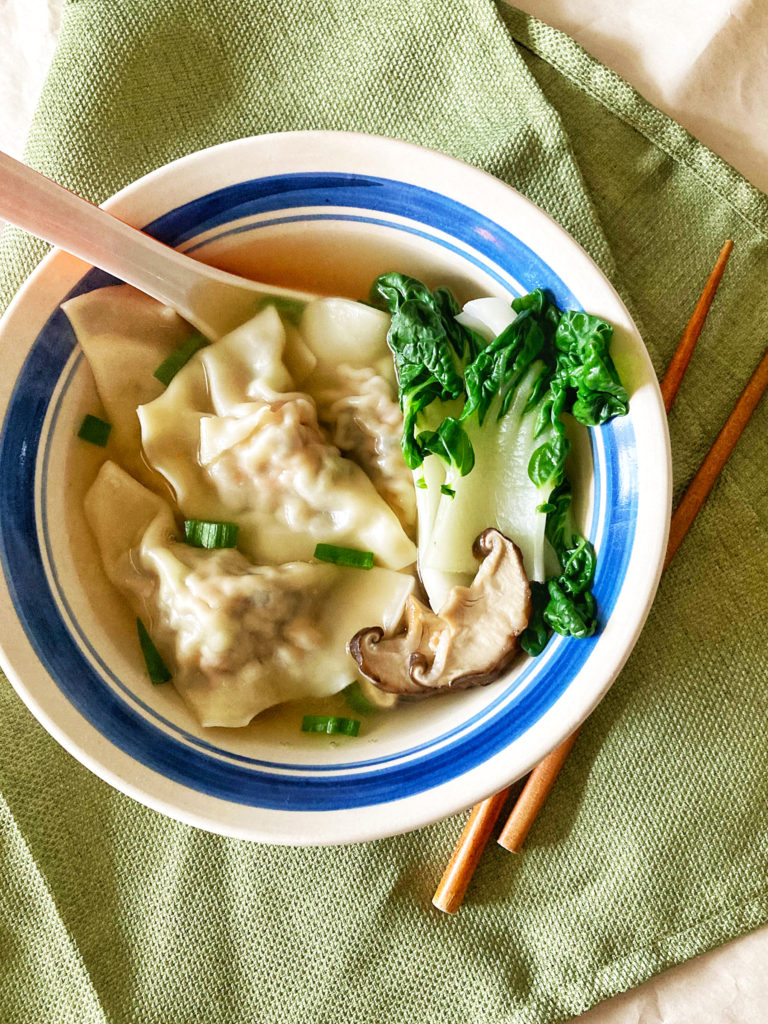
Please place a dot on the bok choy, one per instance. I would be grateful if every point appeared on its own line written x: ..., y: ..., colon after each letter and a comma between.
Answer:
x: 483, y: 393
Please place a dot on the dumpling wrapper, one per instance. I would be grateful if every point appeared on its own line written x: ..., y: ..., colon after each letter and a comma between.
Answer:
x: 125, y: 336
x: 237, y: 442
x: 241, y: 637
x: 339, y: 331
x: 354, y: 387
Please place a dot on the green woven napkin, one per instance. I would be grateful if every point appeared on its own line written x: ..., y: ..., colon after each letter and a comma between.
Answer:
x: 653, y: 845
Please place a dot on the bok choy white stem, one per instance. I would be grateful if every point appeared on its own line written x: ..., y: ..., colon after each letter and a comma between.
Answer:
x: 483, y: 395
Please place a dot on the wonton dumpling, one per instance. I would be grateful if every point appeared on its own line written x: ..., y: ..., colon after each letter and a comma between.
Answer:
x: 356, y: 406
x: 237, y: 442
x: 339, y: 331
x: 354, y: 386
x: 241, y: 637
x: 125, y: 336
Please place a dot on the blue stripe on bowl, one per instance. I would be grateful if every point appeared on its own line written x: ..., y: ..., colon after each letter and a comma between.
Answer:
x: 250, y: 781
x: 468, y: 257
x: 369, y: 193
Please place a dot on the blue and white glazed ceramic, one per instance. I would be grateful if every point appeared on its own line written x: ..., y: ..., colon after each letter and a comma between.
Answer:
x: 325, y: 212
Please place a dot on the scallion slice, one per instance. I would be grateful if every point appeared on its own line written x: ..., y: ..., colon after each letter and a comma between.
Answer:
x: 156, y: 667
x: 200, y: 533
x: 291, y: 309
x: 94, y: 430
x: 357, y: 700
x: 168, y: 369
x: 351, y: 557
x: 331, y: 725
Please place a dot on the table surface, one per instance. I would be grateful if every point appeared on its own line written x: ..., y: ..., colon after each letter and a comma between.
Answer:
x: 703, y: 63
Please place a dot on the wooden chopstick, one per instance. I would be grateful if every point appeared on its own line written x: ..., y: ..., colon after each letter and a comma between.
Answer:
x: 466, y: 855
x: 534, y: 795
x: 682, y: 355
x: 716, y: 458
x: 542, y: 778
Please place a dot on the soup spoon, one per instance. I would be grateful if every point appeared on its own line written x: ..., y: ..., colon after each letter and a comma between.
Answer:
x: 212, y: 300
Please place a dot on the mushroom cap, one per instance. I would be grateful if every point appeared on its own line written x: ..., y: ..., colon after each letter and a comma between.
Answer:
x: 469, y: 642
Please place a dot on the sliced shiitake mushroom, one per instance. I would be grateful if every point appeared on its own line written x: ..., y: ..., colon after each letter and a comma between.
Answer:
x: 469, y: 642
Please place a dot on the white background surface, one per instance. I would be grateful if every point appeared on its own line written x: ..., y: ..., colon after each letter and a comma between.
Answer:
x: 704, y: 62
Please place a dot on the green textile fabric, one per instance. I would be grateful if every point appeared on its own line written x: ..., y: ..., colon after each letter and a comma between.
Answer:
x: 654, y: 843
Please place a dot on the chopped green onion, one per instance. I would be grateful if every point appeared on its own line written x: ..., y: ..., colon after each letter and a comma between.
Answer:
x: 94, y: 430
x: 365, y: 698
x: 291, y: 309
x: 422, y: 483
x: 168, y: 369
x: 351, y: 557
x: 156, y: 667
x: 331, y: 725
x: 356, y: 699
x: 449, y: 491
x: 203, y: 534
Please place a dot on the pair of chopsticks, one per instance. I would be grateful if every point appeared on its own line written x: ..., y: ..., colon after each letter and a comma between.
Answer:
x: 453, y: 885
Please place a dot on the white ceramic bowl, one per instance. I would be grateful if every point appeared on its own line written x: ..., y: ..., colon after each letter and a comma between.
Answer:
x: 327, y: 212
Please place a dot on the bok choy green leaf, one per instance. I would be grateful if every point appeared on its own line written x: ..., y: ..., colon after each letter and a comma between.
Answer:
x: 484, y: 431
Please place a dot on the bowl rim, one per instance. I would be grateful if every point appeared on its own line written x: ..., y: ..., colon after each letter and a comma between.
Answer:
x: 149, y: 194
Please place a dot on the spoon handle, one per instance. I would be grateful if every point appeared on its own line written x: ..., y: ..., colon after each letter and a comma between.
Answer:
x: 210, y: 299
